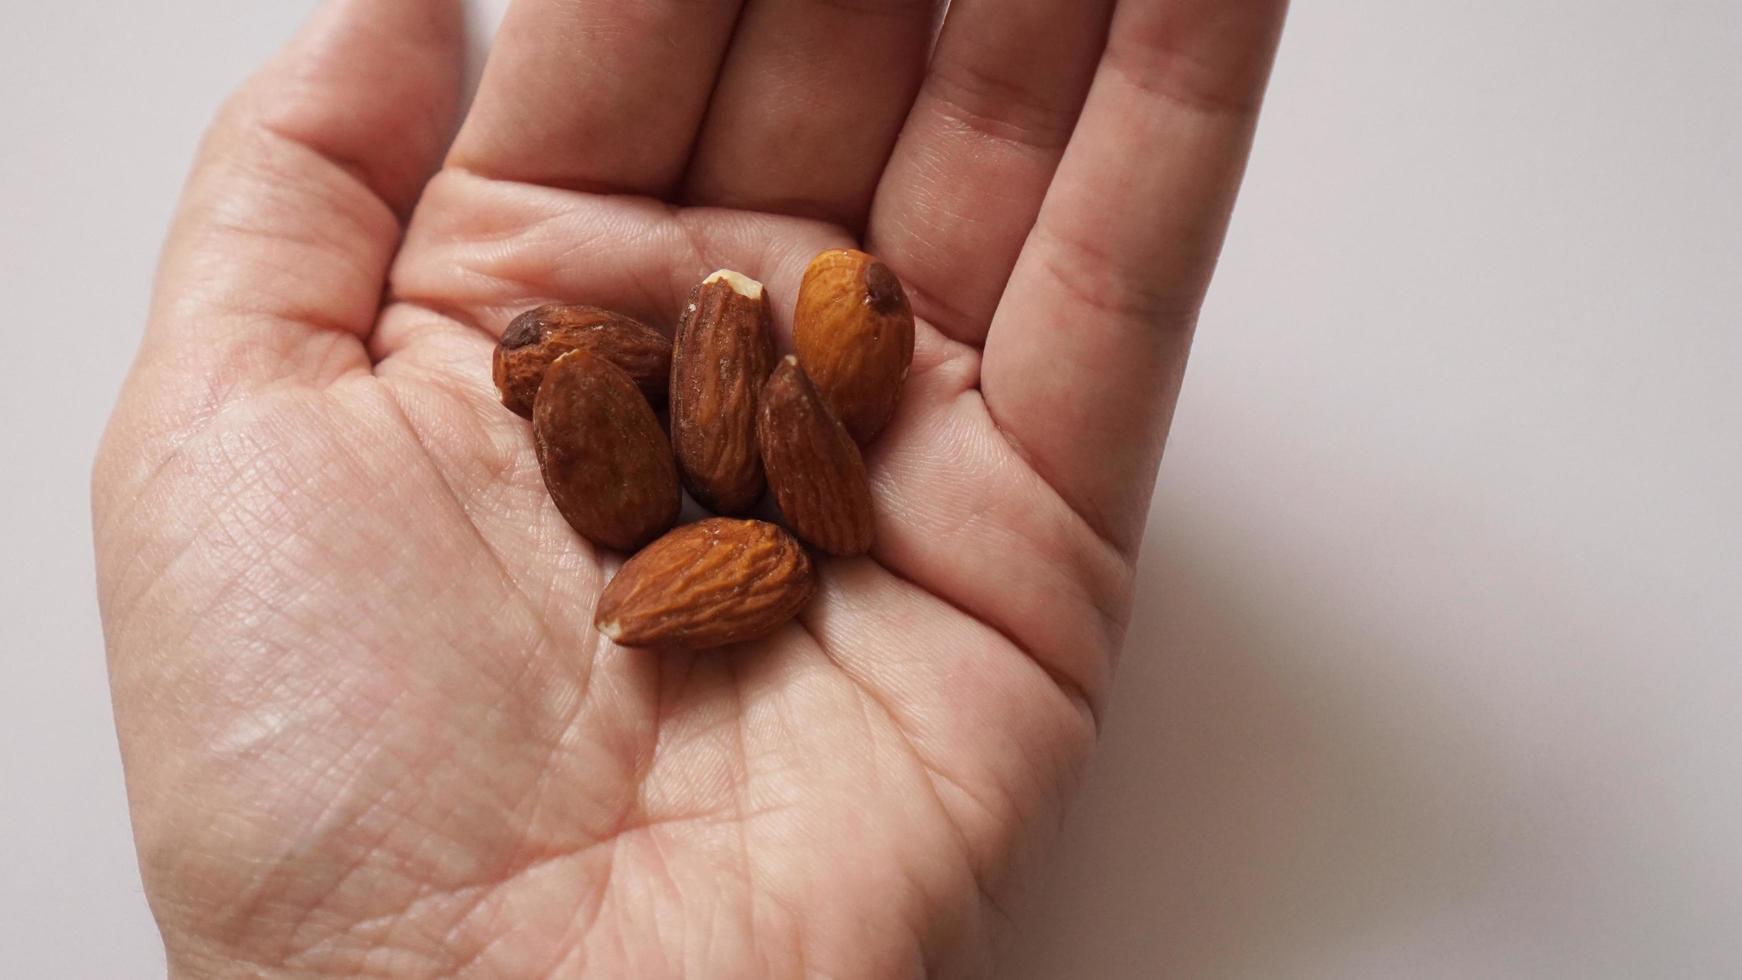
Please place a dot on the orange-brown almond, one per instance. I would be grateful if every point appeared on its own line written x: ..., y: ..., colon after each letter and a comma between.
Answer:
x: 705, y: 585
x: 605, y: 459
x: 536, y: 338
x: 853, y: 328
x: 725, y: 349
x: 814, y: 467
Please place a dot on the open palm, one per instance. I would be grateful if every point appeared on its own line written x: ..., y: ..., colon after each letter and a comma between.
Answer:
x: 367, y: 724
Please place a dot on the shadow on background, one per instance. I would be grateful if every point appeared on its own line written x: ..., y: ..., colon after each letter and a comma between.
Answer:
x: 1263, y: 804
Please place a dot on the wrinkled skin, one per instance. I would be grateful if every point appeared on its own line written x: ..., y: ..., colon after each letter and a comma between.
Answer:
x: 367, y: 728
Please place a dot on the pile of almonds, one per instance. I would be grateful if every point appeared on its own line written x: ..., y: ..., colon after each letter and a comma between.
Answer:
x: 593, y: 383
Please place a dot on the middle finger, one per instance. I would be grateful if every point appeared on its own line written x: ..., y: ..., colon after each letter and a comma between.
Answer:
x: 809, y: 103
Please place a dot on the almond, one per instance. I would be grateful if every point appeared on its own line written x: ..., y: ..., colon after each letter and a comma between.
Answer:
x: 705, y: 585
x: 725, y: 349
x: 536, y: 338
x: 605, y: 459
x: 813, y: 466
x: 854, y: 332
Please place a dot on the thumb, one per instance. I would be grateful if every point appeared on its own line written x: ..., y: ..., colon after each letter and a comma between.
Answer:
x: 274, y: 268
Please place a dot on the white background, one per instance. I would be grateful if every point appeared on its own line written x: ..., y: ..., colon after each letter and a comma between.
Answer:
x: 1437, y: 668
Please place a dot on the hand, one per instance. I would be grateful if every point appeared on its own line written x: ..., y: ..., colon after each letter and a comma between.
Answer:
x: 366, y: 722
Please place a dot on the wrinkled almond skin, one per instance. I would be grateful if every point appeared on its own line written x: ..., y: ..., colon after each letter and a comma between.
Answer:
x: 724, y: 352
x: 605, y: 459
x: 536, y: 338
x: 706, y: 585
x: 854, y: 332
x: 813, y: 466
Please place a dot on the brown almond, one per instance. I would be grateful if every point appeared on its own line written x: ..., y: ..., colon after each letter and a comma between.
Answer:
x: 705, y: 585
x: 854, y: 332
x: 536, y: 338
x: 813, y: 465
x: 724, y: 351
x: 605, y: 459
